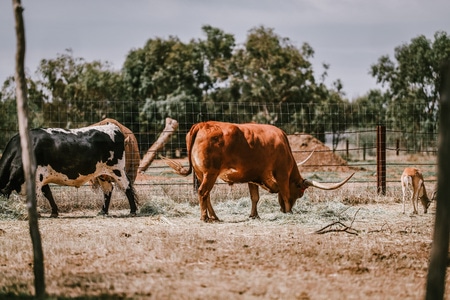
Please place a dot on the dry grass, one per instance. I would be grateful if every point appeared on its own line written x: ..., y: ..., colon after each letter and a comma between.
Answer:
x: 168, y: 253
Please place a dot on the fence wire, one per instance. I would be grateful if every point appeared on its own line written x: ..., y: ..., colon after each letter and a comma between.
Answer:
x: 347, y: 130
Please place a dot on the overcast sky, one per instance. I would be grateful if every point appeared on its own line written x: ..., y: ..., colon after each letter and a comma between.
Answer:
x: 349, y: 35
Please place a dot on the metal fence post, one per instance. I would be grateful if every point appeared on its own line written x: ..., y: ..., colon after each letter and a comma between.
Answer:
x: 381, y: 160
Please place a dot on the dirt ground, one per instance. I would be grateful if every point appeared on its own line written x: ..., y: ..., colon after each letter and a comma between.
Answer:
x: 373, y: 251
x: 323, y: 159
x: 276, y: 257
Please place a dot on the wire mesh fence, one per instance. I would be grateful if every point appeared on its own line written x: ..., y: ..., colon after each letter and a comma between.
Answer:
x: 345, y: 130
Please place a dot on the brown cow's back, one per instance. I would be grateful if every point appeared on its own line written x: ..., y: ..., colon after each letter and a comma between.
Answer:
x: 240, y: 152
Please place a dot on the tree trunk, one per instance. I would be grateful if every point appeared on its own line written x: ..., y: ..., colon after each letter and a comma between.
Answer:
x: 439, y: 251
x: 28, y: 159
x: 171, y: 126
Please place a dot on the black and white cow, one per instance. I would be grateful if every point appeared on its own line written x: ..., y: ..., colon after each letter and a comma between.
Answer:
x: 71, y: 158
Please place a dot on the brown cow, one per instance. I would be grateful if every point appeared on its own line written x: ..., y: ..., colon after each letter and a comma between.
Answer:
x: 259, y: 155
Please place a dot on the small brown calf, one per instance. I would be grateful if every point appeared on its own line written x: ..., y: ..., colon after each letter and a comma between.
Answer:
x: 413, y: 183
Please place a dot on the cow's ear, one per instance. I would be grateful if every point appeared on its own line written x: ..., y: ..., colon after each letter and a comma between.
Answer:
x: 302, y: 186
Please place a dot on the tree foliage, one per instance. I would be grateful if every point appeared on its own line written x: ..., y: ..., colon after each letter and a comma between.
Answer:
x: 86, y: 91
x: 413, y: 81
x: 267, y: 79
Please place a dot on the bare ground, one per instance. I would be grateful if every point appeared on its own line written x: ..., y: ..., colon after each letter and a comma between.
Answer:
x: 276, y: 257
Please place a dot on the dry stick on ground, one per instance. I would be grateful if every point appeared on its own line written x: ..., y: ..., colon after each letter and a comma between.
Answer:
x: 385, y: 224
x: 344, y: 228
x: 171, y: 126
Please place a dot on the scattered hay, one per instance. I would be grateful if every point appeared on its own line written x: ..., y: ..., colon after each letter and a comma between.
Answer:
x: 13, y: 208
x: 167, y: 207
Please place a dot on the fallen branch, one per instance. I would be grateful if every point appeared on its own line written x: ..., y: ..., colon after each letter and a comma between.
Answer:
x: 343, y: 227
x: 383, y: 228
x: 171, y: 126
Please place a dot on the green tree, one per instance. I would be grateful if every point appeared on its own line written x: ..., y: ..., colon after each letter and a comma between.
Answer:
x: 80, y: 93
x: 8, y: 108
x: 218, y: 51
x: 168, y: 79
x: 413, y: 82
x: 270, y: 69
x: 266, y: 74
x: 371, y: 109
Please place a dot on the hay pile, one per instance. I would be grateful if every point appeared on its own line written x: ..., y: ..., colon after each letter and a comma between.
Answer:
x: 323, y: 158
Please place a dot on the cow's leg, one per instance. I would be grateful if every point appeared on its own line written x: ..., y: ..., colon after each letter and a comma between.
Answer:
x: 282, y: 203
x: 404, y: 195
x: 131, y: 196
x: 107, y: 188
x: 207, y: 183
x: 48, y: 194
x: 254, y: 195
x: 106, y: 202
x: 211, y: 212
x: 202, y: 200
x: 125, y: 184
x: 284, y: 194
x: 415, y: 200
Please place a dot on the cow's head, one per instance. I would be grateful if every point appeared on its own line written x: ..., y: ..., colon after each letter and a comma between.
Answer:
x: 300, y: 187
x: 11, y: 169
x: 297, y: 189
x: 14, y: 182
x: 6, y: 192
x: 425, y: 202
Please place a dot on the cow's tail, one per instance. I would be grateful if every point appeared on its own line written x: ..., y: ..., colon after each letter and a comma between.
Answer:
x: 177, y: 166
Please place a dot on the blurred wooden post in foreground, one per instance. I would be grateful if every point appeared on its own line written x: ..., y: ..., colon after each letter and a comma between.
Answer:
x: 439, y: 251
x: 171, y: 126
x: 28, y: 159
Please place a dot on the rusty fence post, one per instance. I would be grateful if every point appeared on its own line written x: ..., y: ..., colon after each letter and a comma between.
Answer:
x: 346, y: 149
x: 381, y: 160
x: 364, y: 151
x: 398, y: 147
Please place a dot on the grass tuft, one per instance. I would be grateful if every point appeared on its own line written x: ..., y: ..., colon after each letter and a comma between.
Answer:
x: 13, y: 208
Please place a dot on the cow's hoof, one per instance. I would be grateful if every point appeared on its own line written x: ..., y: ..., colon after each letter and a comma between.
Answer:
x: 254, y: 217
x: 207, y: 220
x: 212, y: 220
x: 102, y: 213
x: 54, y: 215
x: 133, y: 214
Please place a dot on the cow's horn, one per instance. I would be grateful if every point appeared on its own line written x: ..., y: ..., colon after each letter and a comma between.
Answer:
x: 327, y: 186
x: 306, y: 159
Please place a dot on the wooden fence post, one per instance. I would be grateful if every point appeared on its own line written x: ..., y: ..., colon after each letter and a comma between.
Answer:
x: 381, y: 160
x: 398, y: 147
x: 364, y: 151
x: 346, y: 149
